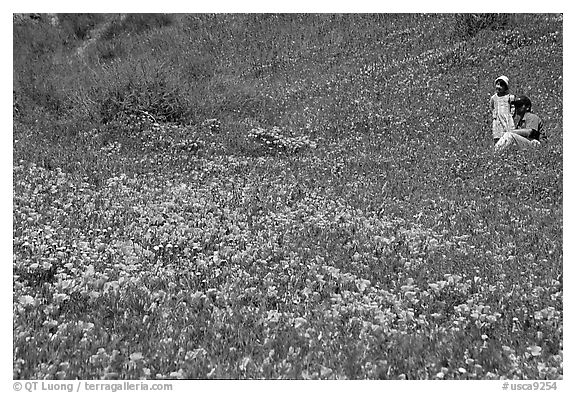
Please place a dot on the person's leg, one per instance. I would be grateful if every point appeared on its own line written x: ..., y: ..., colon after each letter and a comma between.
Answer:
x: 521, y: 141
x: 512, y: 139
x: 504, y: 142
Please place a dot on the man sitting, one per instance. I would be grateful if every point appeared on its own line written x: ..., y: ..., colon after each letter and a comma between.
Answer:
x: 528, y: 128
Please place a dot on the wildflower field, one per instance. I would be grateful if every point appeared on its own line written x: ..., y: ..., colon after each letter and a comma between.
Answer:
x: 284, y: 196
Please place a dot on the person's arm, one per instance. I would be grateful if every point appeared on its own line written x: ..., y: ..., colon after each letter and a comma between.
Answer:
x: 493, y: 113
x: 512, y: 108
x: 543, y: 137
x: 525, y: 132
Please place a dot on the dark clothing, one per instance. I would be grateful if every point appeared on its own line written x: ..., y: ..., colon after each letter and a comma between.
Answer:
x: 532, y: 122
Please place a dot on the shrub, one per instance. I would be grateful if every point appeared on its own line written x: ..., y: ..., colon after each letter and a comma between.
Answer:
x: 79, y: 25
x: 468, y: 25
x: 136, y: 23
x: 125, y: 90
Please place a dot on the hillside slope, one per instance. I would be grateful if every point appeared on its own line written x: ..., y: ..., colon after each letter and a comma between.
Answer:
x: 268, y: 68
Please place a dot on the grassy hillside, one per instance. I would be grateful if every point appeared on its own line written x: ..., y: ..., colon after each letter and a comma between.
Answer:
x: 284, y: 196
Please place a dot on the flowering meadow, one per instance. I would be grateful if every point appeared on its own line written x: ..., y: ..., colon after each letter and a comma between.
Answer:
x: 320, y: 204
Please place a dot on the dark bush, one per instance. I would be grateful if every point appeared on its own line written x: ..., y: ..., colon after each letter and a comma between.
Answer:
x: 136, y: 23
x: 110, y: 50
x: 79, y: 25
x: 159, y: 97
x: 468, y: 25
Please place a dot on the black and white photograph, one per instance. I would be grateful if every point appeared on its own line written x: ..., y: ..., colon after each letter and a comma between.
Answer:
x: 366, y: 196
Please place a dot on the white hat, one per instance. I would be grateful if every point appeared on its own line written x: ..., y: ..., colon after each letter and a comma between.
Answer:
x: 503, y: 79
